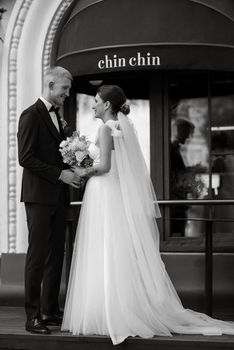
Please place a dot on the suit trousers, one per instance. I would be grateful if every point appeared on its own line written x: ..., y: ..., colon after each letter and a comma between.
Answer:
x: 44, y: 259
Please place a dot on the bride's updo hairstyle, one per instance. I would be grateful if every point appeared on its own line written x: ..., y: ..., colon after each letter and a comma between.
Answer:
x: 116, y: 96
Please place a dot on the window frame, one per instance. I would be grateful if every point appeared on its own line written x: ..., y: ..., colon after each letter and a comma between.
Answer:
x: 161, y: 144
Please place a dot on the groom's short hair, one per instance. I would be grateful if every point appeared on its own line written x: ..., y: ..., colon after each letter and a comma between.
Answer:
x: 56, y: 72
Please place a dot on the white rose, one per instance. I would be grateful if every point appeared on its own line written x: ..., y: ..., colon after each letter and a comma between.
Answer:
x: 80, y: 156
x: 63, y: 143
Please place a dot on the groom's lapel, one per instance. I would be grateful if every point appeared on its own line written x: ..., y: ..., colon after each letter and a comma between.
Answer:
x: 45, y: 115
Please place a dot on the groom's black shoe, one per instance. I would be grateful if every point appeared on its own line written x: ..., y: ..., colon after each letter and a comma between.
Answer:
x: 36, y: 325
x: 53, y: 320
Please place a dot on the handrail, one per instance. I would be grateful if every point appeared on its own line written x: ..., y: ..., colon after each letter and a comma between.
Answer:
x: 201, y: 219
x: 187, y: 201
x: 197, y: 201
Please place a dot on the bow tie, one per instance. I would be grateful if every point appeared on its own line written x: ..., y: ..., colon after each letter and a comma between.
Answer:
x: 54, y: 109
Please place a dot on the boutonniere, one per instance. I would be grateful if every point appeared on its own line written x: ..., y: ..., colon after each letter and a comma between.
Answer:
x: 63, y: 122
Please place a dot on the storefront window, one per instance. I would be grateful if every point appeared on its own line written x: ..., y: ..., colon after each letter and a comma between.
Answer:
x: 201, y: 155
x: 189, y: 151
x: 86, y: 123
x: 222, y: 150
x: 222, y: 145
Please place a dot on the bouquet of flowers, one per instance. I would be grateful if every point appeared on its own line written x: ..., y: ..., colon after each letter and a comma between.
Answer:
x: 74, y: 151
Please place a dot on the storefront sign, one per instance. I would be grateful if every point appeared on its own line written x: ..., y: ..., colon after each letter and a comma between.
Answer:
x: 139, y: 60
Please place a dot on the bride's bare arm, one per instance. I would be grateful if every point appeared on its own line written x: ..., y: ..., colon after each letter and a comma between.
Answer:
x: 105, y: 145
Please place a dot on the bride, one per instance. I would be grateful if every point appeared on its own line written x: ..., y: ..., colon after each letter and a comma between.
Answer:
x: 118, y: 284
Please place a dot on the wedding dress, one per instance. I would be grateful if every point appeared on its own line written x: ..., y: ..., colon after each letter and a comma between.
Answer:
x: 118, y: 284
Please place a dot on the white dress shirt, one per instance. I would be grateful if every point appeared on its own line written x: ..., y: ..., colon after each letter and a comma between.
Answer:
x: 52, y: 114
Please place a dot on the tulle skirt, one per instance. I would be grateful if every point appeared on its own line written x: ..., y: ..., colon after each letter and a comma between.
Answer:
x: 118, y: 284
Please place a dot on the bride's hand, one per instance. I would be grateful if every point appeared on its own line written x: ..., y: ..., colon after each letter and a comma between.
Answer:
x: 81, y: 172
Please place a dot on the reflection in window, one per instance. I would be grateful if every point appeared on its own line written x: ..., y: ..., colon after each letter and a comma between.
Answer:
x: 189, y: 161
x: 88, y: 125
x: 189, y: 149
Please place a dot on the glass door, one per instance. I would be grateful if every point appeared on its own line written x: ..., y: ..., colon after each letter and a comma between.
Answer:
x: 197, y: 159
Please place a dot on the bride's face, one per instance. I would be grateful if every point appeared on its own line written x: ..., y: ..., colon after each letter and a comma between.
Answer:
x: 98, y: 107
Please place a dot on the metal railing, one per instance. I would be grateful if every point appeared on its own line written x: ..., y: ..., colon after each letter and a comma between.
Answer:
x: 208, y: 239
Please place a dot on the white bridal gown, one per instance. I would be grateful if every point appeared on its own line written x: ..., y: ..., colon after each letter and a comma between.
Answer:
x: 118, y: 284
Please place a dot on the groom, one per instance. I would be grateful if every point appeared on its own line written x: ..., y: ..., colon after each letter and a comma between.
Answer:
x: 45, y: 194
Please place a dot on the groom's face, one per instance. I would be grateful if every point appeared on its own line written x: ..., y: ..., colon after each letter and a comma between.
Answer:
x: 59, y: 90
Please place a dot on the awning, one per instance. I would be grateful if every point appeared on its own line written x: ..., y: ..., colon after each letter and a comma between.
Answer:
x: 125, y: 35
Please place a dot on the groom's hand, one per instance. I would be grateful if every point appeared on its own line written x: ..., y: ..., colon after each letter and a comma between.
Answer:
x: 70, y: 178
x: 78, y: 181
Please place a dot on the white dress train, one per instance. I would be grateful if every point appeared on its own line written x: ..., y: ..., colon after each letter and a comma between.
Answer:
x: 118, y: 284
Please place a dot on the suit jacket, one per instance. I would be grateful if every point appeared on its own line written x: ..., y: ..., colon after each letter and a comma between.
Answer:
x: 38, y: 151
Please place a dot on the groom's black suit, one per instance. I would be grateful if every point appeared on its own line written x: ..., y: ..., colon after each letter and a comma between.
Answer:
x: 45, y: 198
